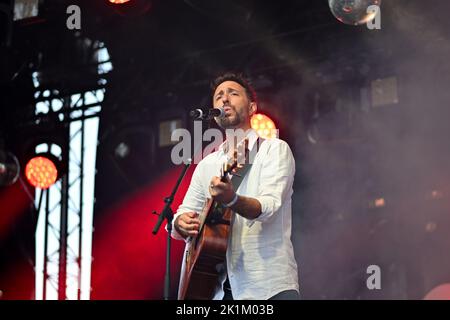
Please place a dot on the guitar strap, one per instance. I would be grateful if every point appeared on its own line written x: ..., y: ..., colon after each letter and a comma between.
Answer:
x: 236, y: 181
x: 239, y: 176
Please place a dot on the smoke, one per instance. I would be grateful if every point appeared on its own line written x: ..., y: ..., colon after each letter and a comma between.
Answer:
x: 397, y: 151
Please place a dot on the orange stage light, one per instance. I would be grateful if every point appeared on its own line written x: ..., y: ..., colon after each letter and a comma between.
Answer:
x: 41, y: 172
x: 264, y: 126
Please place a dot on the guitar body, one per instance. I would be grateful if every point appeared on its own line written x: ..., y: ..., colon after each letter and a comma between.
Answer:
x: 205, y: 253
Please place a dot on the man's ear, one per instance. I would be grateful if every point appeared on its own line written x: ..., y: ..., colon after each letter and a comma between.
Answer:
x: 253, y: 108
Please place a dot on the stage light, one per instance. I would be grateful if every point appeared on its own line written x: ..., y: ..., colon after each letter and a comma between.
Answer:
x: 264, y: 126
x: 131, y: 9
x: 118, y: 1
x: 122, y: 150
x: 440, y: 292
x: 165, y: 131
x: 24, y: 9
x: 384, y: 92
x: 436, y: 195
x: 377, y: 203
x: 42, y: 170
x: 9, y: 168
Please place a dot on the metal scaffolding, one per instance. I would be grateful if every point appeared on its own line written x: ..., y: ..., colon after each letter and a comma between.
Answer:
x: 63, y: 203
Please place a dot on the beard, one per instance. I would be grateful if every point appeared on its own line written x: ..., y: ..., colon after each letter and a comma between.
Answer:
x: 230, y: 122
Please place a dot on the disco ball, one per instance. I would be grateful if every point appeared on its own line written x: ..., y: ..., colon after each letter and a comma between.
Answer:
x: 9, y: 168
x: 354, y: 12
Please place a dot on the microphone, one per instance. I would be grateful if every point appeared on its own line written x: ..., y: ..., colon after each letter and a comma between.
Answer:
x: 211, y: 113
x: 216, y: 112
x: 196, y: 114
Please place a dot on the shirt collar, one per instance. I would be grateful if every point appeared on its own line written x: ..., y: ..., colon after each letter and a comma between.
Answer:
x: 252, y: 136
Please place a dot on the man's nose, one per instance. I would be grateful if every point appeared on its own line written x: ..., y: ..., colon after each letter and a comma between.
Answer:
x: 224, y: 98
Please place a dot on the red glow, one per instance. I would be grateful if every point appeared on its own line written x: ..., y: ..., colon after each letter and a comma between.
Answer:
x: 13, y: 202
x: 131, y: 9
x: 129, y: 261
x: 16, y: 267
x: 119, y: 1
x: 17, y: 280
x: 41, y: 172
x: 441, y: 292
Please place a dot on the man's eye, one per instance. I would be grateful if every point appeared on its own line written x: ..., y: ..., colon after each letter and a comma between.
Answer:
x: 218, y: 97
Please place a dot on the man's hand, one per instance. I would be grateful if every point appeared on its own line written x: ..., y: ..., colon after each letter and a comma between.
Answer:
x: 187, y: 224
x: 221, y: 191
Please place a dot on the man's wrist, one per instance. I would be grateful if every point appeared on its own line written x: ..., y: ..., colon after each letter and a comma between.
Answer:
x: 176, y: 227
x: 232, y: 202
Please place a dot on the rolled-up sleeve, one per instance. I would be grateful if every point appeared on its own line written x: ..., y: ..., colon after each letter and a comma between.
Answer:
x: 276, y: 179
x: 193, y: 200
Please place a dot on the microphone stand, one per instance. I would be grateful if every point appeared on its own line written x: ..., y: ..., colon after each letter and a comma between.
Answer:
x: 167, y: 214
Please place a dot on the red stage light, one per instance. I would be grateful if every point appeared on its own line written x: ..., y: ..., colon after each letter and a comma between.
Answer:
x: 131, y: 9
x: 41, y: 172
x: 118, y: 1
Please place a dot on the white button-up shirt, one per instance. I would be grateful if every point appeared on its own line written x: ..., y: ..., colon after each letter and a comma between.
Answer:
x: 260, y: 258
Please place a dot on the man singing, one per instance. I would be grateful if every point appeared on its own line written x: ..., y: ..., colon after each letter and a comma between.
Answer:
x: 260, y: 261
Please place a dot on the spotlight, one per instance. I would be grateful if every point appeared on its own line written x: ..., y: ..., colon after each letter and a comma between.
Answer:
x: 122, y: 150
x: 128, y: 8
x: 9, y: 168
x: 264, y: 126
x: 118, y: 1
x: 24, y: 9
x: 165, y: 131
x: 377, y: 203
x: 440, y: 292
x: 43, y: 170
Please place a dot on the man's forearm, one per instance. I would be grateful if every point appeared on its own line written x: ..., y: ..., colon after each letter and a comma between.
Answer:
x: 247, y: 207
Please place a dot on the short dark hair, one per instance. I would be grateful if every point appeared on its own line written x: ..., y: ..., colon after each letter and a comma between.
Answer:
x: 236, y: 77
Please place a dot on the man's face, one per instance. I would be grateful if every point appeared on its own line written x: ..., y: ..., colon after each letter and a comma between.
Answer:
x: 237, y: 106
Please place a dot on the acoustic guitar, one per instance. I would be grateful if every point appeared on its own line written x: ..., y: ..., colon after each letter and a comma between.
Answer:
x: 207, y: 251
